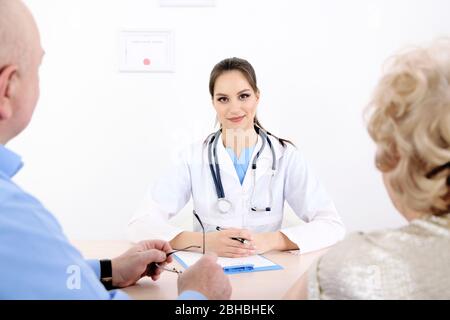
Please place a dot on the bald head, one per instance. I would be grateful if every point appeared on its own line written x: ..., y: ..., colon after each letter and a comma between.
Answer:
x: 20, y: 58
x: 18, y: 34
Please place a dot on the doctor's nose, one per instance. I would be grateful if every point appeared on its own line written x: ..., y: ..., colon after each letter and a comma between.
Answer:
x: 235, y: 107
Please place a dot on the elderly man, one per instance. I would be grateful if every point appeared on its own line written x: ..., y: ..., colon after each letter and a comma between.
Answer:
x: 36, y: 259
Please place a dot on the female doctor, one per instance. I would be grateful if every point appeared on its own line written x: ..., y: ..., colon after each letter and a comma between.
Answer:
x: 239, y: 179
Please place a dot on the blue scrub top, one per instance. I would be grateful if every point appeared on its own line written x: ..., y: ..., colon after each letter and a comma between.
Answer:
x: 241, y: 163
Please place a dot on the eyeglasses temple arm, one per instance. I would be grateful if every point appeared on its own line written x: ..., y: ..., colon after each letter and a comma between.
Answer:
x: 203, y: 229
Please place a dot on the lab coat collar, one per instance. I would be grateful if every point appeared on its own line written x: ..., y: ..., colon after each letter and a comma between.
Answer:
x: 225, y: 162
x: 264, y: 162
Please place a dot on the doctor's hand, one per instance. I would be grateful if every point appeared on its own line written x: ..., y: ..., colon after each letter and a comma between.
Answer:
x: 264, y: 242
x: 131, y: 266
x: 222, y: 244
x: 268, y: 241
x: 206, y: 277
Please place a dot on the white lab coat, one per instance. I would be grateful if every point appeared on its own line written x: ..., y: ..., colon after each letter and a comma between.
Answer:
x: 191, y: 177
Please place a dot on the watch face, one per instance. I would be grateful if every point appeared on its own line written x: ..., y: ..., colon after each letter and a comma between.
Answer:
x: 223, y: 205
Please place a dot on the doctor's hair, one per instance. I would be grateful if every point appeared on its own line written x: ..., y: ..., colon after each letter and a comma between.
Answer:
x: 238, y: 64
x: 410, y: 124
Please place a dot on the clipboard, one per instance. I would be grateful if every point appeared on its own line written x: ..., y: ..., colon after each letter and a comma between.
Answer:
x: 231, y: 265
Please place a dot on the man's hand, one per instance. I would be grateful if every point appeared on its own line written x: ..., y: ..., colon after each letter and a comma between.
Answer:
x: 206, y: 277
x: 131, y: 266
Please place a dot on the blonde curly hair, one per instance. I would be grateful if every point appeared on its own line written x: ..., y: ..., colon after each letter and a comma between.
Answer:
x: 410, y: 123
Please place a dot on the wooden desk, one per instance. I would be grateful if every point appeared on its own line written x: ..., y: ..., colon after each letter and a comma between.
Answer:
x: 254, y: 286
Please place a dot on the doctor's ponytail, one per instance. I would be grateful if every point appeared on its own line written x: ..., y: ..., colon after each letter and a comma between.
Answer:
x: 247, y: 70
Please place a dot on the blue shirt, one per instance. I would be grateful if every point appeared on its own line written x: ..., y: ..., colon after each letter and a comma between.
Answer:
x: 36, y: 259
x: 241, y: 163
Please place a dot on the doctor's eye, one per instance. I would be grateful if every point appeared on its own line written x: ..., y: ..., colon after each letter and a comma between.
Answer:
x: 244, y: 96
x: 222, y: 99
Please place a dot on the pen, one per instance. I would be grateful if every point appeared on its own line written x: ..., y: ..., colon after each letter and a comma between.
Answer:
x: 241, y: 240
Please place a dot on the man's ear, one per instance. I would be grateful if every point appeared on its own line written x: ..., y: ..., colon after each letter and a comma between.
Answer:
x: 6, y: 75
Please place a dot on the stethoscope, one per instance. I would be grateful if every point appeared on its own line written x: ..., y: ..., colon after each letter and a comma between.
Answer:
x: 223, y: 204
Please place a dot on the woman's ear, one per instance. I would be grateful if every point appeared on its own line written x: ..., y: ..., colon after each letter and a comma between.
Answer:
x: 6, y: 75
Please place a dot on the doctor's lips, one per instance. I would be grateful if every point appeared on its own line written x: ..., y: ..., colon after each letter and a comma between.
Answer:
x: 236, y: 119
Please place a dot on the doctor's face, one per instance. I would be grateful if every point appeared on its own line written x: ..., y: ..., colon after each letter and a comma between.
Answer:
x: 235, y: 101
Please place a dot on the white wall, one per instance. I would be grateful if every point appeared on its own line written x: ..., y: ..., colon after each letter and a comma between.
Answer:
x: 99, y: 137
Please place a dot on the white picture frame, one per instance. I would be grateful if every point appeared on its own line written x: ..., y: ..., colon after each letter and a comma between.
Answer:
x: 146, y: 51
x: 187, y: 3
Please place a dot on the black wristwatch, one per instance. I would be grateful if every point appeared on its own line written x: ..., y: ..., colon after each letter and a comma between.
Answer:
x: 105, y: 269
x: 106, y: 274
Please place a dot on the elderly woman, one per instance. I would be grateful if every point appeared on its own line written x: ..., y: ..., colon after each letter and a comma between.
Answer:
x: 410, y: 124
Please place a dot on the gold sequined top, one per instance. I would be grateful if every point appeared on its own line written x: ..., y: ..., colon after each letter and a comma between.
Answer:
x: 412, y: 262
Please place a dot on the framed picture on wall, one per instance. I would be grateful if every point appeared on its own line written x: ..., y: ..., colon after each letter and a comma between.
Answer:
x: 187, y: 3
x: 146, y: 51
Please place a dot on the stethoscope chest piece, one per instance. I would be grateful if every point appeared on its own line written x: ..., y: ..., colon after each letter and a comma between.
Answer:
x: 223, y: 205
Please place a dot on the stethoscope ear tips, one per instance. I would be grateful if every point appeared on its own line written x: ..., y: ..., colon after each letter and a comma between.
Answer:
x: 268, y: 209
